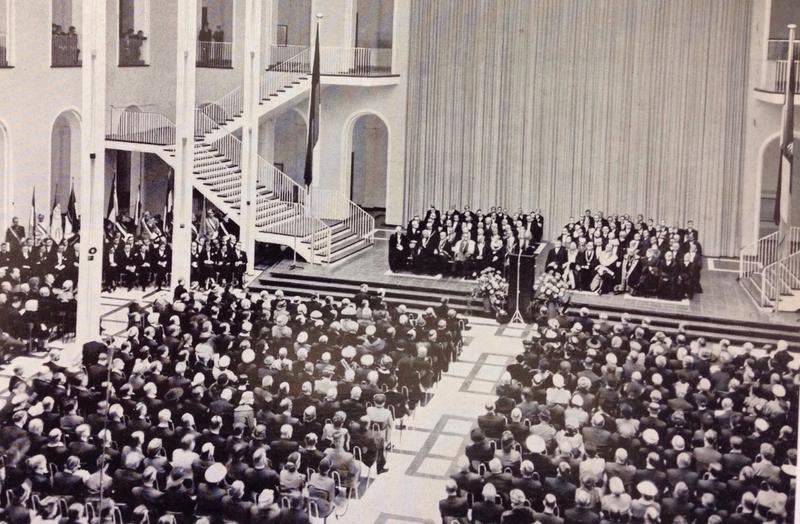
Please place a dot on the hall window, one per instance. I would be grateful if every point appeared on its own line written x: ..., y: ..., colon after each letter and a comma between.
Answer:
x: 215, y: 34
x: 5, y: 33
x: 65, y: 40
x: 134, y: 29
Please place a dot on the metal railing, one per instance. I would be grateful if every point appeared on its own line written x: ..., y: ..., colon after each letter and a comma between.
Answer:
x: 332, y: 205
x: 783, y: 275
x: 776, y: 71
x: 355, y: 61
x: 214, y: 54
x: 231, y: 105
x: 139, y: 127
x: 285, y: 74
x: 66, y: 51
x: 3, y: 50
x: 755, y: 256
x: 281, y: 53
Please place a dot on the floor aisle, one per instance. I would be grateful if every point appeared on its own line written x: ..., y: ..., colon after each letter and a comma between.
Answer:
x: 426, y: 454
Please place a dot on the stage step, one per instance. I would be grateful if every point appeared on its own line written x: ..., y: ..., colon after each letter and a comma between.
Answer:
x: 418, y: 297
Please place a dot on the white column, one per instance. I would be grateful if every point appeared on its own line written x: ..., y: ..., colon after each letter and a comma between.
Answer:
x: 92, y: 176
x: 184, y: 140
x: 251, y: 95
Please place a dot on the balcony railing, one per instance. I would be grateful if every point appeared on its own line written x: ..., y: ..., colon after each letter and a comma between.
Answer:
x: 355, y: 61
x: 3, y: 50
x: 140, y: 127
x: 776, y: 76
x: 215, y: 54
x: 133, y: 50
x: 66, y: 50
x: 342, y: 61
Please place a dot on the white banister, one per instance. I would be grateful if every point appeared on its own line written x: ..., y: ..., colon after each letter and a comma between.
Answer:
x: 281, y: 53
x: 140, y: 127
x: 776, y: 75
x: 66, y: 50
x: 355, y: 61
x: 214, y: 54
x: 763, y: 264
x: 332, y: 205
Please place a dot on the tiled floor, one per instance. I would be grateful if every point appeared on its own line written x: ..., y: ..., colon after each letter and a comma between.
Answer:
x: 426, y: 453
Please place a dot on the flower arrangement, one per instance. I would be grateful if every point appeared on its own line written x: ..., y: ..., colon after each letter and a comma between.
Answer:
x: 551, y: 289
x: 492, y: 287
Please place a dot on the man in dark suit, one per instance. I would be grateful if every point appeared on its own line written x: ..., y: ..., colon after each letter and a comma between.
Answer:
x: 453, y: 506
x: 397, y: 249
x: 14, y: 234
x: 491, y: 423
x: 630, y: 271
x: 557, y: 257
x: 585, y: 266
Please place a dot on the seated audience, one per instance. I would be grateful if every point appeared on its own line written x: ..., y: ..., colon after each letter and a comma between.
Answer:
x: 206, y: 407
x: 38, y: 279
x: 627, y: 425
x: 463, y: 243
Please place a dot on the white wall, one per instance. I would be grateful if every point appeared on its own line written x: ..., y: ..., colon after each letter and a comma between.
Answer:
x: 290, y: 144
x: 296, y: 15
x: 33, y: 95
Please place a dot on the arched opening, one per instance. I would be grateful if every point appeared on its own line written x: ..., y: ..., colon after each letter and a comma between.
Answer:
x: 290, y: 145
x: 368, y: 163
x: 5, y: 178
x: 769, y: 163
x: 65, y: 156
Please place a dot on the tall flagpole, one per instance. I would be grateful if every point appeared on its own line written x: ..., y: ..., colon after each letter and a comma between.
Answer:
x: 314, y: 60
x: 783, y: 203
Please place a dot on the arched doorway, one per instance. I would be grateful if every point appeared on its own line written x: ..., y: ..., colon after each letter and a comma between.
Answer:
x: 369, y: 147
x: 769, y: 162
x: 290, y: 145
x: 65, y: 156
x: 5, y: 178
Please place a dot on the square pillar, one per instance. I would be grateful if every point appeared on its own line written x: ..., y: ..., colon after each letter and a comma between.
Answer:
x: 92, y: 176
x: 184, y: 141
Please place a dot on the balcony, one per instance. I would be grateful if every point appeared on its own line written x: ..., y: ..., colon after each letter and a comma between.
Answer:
x: 3, y: 50
x: 217, y: 55
x: 66, y: 50
x: 773, y: 78
x: 342, y: 61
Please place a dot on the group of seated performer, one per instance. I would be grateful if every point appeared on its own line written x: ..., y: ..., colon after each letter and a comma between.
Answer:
x: 621, y: 255
x: 135, y: 256
x: 38, y: 277
x: 613, y: 423
x: 217, y: 407
x: 462, y: 243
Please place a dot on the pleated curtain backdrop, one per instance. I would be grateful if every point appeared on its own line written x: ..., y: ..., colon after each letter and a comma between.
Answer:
x: 627, y: 106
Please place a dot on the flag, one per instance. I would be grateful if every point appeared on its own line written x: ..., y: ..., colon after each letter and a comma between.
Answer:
x: 71, y: 226
x: 113, y: 205
x: 137, y: 216
x: 111, y: 211
x: 783, y: 194
x: 313, y: 114
x: 32, y: 217
x: 56, y: 224
x: 166, y: 216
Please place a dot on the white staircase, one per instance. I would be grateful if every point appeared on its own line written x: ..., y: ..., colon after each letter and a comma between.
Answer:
x: 323, y: 228
x: 771, y: 273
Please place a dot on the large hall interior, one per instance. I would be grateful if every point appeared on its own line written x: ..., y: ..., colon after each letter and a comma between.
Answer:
x: 399, y: 261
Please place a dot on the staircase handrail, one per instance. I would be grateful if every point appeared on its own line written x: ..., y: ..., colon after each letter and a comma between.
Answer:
x: 784, y: 269
x: 331, y: 204
x: 285, y: 73
x: 231, y: 104
x: 754, y: 256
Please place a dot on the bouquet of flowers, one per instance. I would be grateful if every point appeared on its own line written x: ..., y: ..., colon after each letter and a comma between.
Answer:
x: 551, y: 289
x: 492, y: 287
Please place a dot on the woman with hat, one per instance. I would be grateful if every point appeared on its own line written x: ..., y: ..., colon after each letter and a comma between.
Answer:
x: 211, y: 492
x: 520, y: 513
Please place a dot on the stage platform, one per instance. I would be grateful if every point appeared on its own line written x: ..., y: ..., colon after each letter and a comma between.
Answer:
x: 723, y: 310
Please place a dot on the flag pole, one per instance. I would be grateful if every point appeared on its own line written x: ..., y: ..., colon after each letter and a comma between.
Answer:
x: 783, y: 204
